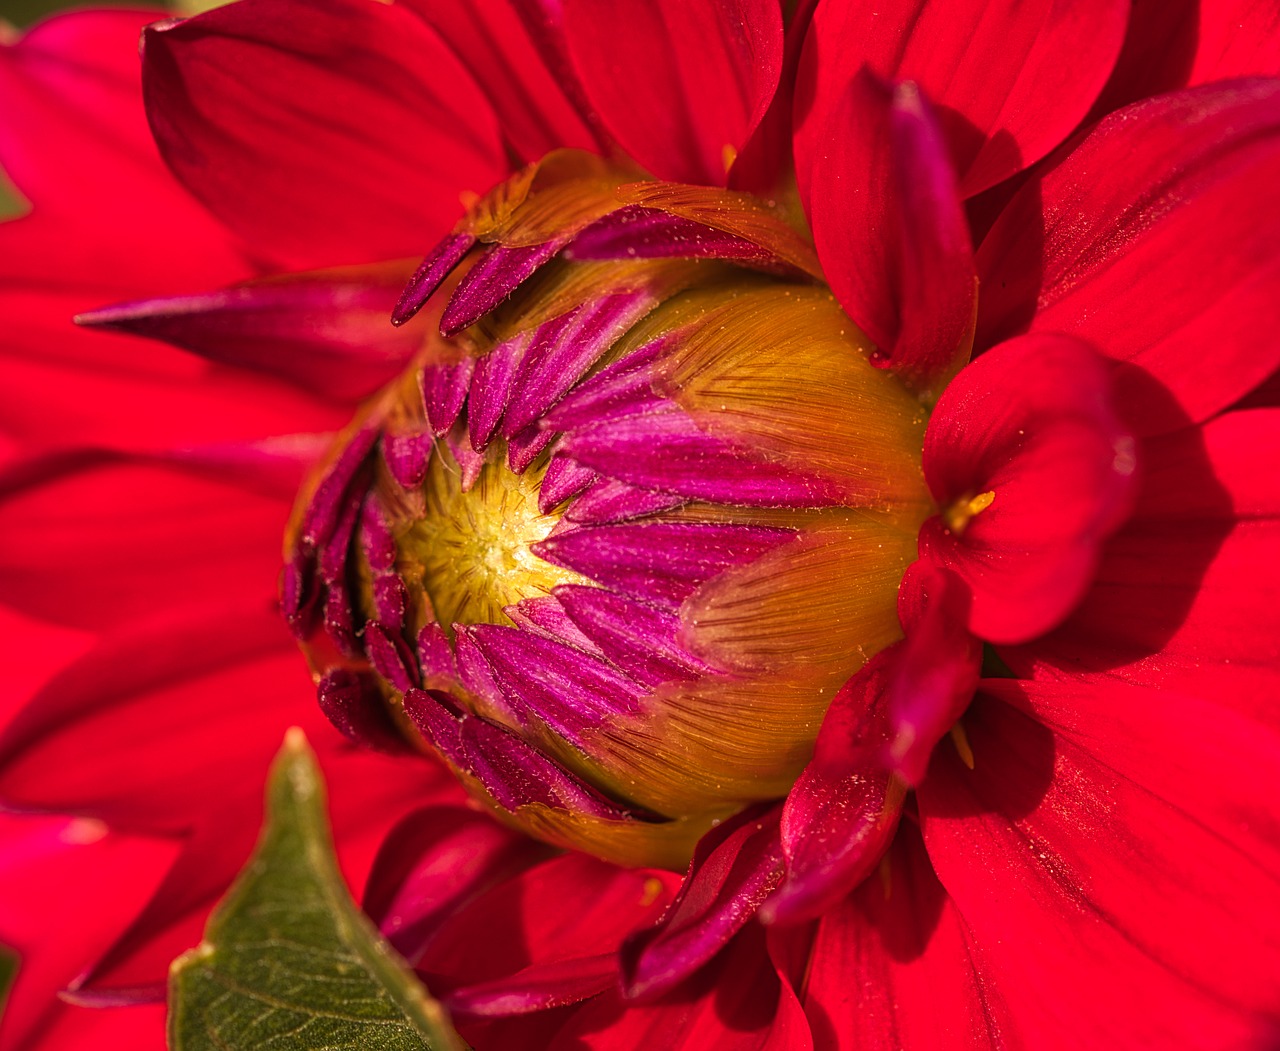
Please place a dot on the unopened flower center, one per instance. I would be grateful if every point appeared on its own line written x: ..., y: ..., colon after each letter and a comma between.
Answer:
x: 616, y: 537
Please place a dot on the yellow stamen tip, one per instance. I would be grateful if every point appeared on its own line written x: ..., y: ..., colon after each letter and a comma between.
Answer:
x: 961, y: 740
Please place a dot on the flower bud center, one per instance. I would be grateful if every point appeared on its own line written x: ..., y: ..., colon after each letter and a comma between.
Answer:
x: 616, y: 537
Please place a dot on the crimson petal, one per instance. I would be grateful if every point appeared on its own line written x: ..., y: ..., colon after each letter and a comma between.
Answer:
x: 535, y: 107
x: 691, y: 84
x: 890, y: 229
x: 319, y: 139
x: 1185, y: 598
x: 1126, y: 220
x: 1012, y: 79
x: 896, y: 958
x: 1129, y: 835
x: 1180, y: 43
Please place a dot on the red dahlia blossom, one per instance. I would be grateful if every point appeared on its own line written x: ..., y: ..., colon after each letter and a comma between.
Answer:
x: 818, y: 493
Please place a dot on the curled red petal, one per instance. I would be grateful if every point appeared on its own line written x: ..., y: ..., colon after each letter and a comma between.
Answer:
x: 891, y: 232
x: 322, y: 139
x: 1186, y: 597
x: 689, y: 86
x: 936, y: 667
x: 1112, y: 245
x: 734, y: 868
x: 1012, y: 79
x: 735, y: 1003
x: 1033, y: 471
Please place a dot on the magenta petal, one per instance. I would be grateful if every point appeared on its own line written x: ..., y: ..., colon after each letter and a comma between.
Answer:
x: 621, y: 389
x: 496, y: 274
x: 734, y: 868
x: 511, y: 770
x: 327, y: 503
x: 690, y: 86
x: 637, y: 232
x: 660, y: 562
x: 607, y: 500
x: 641, y: 640
x: 407, y: 457
x: 344, y: 137
x: 561, y: 687
x: 429, y: 276
x: 490, y: 390
x: 352, y: 702
x: 664, y: 449
x: 560, y: 355
x: 376, y: 540
x: 546, y: 616
x: 444, y: 392
x: 564, y: 478
x: 326, y: 332
x: 1035, y: 411
x: 891, y: 232
x: 390, y: 656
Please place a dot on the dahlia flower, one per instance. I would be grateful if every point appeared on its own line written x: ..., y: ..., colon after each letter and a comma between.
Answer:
x: 778, y: 506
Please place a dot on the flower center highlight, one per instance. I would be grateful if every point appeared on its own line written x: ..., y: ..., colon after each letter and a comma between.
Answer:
x: 615, y: 538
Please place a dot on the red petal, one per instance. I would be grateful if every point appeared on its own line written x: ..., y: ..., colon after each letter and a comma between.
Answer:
x: 1132, y: 839
x: 148, y: 728
x: 691, y: 84
x: 75, y: 141
x: 894, y: 967
x: 342, y: 137
x: 765, y: 166
x: 153, y: 538
x: 59, y: 919
x: 842, y: 811
x: 528, y: 93
x: 63, y: 1026
x: 937, y: 667
x: 568, y: 908
x: 1011, y: 78
x: 1032, y: 423
x: 736, y: 1003
x: 432, y: 864
x: 734, y: 868
x: 129, y: 393
x: 1153, y: 239
x: 1179, y: 43
x: 890, y: 230
x: 1187, y: 596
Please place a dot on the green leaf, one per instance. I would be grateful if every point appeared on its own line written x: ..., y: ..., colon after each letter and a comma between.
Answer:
x: 288, y: 960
